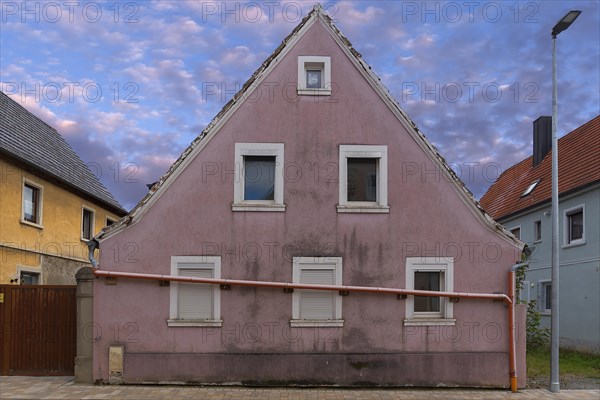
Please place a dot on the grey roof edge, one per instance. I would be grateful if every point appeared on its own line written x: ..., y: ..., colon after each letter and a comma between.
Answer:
x: 113, y: 205
x: 318, y: 13
x: 120, y: 211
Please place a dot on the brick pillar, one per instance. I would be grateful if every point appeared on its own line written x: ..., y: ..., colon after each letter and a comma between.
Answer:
x: 85, y: 320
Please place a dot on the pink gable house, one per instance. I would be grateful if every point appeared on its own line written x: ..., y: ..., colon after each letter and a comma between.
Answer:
x: 296, y: 240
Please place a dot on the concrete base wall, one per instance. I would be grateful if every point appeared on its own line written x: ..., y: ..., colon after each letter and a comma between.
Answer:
x: 385, y: 369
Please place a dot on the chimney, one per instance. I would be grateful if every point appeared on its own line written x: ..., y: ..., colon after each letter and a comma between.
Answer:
x: 542, y: 139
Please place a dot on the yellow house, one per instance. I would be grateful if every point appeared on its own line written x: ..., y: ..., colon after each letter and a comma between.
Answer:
x: 50, y: 202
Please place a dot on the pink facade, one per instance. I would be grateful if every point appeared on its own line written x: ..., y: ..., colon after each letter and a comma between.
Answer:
x: 429, y: 215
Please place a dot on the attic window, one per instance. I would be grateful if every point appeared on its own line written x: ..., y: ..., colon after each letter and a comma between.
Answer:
x: 314, y: 75
x: 530, y: 188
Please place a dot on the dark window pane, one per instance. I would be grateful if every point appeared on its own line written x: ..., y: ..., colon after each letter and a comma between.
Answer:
x: 259, y: 178
x: 362, y: 179
x: 87, y: 224
x: 30, y: 203
x: 313, y: 79
x: 538, y: 230
x: 427, y: 281
x: 109, y: 222
x: 29, y: 278
x: 576, y: 226
x: 548, y: 296
x: 516, y: 232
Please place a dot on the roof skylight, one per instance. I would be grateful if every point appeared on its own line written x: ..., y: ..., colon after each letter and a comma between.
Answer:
x: 530, y: 188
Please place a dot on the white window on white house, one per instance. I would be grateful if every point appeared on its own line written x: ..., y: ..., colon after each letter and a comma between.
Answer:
x: 431, y: 274
x: 574, y: 225
x: 545, y: 297
x: 258, y: 182
x: 312, y: 308
x: 314, y: 75
x: 516, y: 231
x: 32, y: 203
x: 537, y: 231
x: 363, y: 183
x: 525, y: 293
x: 87, y: 223
x: 195, y: 304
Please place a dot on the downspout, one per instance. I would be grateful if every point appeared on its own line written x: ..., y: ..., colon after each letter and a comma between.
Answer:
x: 92, y: 245
x: 511, y: 324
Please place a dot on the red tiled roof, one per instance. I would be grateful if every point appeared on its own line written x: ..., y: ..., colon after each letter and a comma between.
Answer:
x: 578, y: 165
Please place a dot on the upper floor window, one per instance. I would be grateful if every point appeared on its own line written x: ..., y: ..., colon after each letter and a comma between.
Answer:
x: 363, y: 179
x: 87, y: 223
x: 32, y: 203
x: 314, y: 75
x: 258, y: 182
x: 574, y: 222
x: 109, y: 221
x: 537, y: 231
x: 516, y: 231
x: 433, y: 274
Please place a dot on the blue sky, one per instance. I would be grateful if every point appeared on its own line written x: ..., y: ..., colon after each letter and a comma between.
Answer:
x: 129, y: 84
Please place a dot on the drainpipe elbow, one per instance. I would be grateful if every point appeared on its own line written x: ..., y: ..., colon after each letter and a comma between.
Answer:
x: 92, y: 245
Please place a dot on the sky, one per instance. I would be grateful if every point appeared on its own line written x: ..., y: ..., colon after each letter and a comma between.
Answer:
x: 129, y: 84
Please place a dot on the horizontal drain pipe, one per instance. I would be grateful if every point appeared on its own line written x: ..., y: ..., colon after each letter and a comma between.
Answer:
x: 507, y: 299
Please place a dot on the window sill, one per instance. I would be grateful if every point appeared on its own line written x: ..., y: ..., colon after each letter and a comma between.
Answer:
x: 574, y: 243
x: 258, y: 207
x: 316, y: 323
x: 314, y: 92
x: 376, y: 209
x: 429, y: 322
x: 195, y: 322
x: 33, y: 224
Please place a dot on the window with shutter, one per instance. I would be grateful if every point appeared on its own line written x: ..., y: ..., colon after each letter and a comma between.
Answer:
x: 317, y: 307
x: 195, y: 304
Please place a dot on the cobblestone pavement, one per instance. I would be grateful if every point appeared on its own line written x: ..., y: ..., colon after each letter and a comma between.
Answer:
x: 19, y: 387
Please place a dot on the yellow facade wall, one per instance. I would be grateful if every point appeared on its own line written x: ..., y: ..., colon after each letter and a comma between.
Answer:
x: 24, y: 245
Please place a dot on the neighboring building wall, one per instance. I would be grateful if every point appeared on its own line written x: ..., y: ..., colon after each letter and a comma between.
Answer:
x: 579, y: 268
x: 54, y: 248
x: 256, y: 344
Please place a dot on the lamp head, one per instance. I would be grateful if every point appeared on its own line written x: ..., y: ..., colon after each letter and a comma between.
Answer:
x: 565, y: 22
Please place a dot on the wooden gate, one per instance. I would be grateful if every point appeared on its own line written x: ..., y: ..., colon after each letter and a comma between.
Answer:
x: 38, y: 330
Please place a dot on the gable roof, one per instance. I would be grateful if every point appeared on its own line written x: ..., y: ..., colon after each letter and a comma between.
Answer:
x: 29, y: 141
x: 578, y: 166
x: 317, y: 15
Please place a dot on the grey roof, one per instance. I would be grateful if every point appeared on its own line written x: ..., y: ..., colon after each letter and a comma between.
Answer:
x: 27, y: 139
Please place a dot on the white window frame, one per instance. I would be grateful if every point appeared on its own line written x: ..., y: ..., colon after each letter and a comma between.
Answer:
x: 258, y: 149
x: 444, y: 265
x: 566, y: 226
x: 542, y: 285
x: 173, y: 320
x: 92, y: 225
x: 308, y: 62
x: 520, y: 231
x: 364, y: 151
x: 535, y: 225
x: 302, y: 263
x: 525, y: 293
x: 33, y: 270
x: 40, y: 205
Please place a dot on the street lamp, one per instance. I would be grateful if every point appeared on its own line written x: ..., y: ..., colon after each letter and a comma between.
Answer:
x: 562, y: 25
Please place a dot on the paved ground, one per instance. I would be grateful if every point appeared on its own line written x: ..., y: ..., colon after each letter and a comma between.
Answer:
x: 19, y: 387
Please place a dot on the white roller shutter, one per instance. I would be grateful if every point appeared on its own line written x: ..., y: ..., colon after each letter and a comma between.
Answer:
x: 195, y: 300
x: 317, y: 304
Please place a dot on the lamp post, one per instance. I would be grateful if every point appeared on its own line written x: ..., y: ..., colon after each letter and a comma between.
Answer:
x: 561, y: 25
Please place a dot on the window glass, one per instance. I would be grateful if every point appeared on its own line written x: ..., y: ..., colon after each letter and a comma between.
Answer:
x: 576, y: 225
x: 88, y: 218
x: 537, y: 227
x: 29, y: 278
x: 30, y: 203
x: 548, y: 296
x: 427, y: 281
x: 313, y: 79
x: 362, y: 179
x: 516, y: 232
x: 259, y: 177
